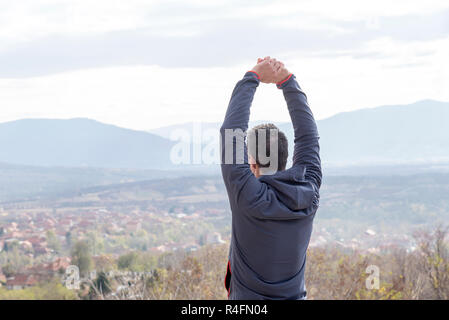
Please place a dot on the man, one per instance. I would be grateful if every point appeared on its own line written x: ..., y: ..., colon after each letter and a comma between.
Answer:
x: 272, y: 212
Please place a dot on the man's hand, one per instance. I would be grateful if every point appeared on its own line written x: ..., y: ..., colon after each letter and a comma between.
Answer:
x: 281, y: 72
x: 270, y: 70
x: 264, y: 68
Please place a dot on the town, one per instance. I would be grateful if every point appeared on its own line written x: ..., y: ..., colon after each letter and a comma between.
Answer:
x: 44, y: 238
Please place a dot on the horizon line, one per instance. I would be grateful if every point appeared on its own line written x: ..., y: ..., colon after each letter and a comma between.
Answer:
x: 210, y: 122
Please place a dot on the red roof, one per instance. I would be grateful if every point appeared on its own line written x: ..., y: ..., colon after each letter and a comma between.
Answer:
x: 21, y: 280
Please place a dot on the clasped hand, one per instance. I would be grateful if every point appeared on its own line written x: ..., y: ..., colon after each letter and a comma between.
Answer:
x: 270, y: 70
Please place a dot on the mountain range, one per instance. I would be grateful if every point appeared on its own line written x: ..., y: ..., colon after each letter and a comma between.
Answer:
x: 417, y: 132
x: 413, y: 133
x: 81, y: 143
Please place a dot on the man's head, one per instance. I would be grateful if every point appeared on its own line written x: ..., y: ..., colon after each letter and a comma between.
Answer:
x: 263, y: 142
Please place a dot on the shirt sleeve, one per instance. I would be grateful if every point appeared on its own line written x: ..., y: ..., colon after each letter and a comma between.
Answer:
x: 306, y: 149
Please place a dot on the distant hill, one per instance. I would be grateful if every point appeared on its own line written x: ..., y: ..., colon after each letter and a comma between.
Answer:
x: 417, y: 132
x: 81, y: 142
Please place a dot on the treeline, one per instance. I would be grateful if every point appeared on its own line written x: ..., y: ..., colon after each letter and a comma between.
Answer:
x: 332, y: 273
x: 52, y: 290
x: 422, y: 273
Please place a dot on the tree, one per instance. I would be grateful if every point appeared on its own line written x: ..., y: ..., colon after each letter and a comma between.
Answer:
x: 8, y: 270
x: 53, y: 242
x: 127, y: 261
x: 95, y: 242
x: 81, y: 256
x: 68, y: 238
x: 10, y: 246
x: 101, y: 286
x: 434, y: 260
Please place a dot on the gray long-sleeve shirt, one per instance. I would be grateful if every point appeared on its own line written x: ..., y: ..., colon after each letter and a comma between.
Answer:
x: 272, y: 215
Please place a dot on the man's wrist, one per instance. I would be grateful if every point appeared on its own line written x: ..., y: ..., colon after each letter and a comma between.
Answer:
x: 281, y: 83
x: 255, y: 73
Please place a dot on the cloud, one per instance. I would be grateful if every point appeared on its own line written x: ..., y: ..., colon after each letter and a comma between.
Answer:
x: 223, y: 43
x: 144, y: 97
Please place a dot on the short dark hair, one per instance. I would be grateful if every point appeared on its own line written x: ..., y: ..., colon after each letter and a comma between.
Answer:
x: 282, y: 145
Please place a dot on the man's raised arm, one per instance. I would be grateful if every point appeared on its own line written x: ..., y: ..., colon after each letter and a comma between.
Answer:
x: 307, y: 149
x: 234, y: 159
x: 237, y: 115
x: 234, y: 156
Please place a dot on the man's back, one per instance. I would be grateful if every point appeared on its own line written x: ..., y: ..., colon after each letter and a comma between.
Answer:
x: 272, y: 215
x: 268, y: 255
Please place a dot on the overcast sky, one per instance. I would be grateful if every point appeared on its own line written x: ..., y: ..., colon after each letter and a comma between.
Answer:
x: 147, y: 64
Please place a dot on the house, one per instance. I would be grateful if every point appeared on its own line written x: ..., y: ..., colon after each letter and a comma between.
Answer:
x: 11, y: 227
x: 20, y: 281
x: 67, y: 222
x: 48, y: 270
x: 133, y: 226
x: 59, y: 264
x: 16, y: 234
x: 160, y: 248
x: 36, y: 240
x: 85, y: 224
x: 114, y: 229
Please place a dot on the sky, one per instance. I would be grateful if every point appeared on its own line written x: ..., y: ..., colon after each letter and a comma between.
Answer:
x: 147, y: 64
